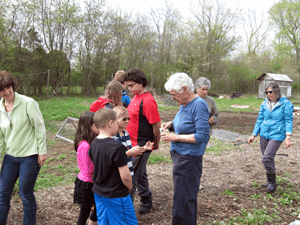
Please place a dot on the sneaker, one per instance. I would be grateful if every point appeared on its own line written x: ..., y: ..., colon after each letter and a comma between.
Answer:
x: 145, y: 208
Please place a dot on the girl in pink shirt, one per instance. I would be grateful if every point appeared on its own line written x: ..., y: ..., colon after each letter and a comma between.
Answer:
x: 83, y: 195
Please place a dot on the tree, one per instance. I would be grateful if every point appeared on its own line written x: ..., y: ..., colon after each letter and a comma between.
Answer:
x: 255, y: 31
x: 213, y: 27
x: 166, y: 22
x: 285, y: 16
x: 89, y: 34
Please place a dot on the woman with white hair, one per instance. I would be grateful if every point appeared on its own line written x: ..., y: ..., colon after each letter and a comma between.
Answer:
x: 187, y: 146
x: 202, y: 86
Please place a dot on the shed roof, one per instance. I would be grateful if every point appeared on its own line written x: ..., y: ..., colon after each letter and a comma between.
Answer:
x: 275, y: 77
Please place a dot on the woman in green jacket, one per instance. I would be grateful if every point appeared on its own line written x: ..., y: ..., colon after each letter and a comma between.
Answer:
x: 23, y: 137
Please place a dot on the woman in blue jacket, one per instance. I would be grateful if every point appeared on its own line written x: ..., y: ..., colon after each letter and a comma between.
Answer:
x: 274, y: 124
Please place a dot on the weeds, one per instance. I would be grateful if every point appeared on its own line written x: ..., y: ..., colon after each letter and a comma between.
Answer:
x: 219, y: 146
x: 228, y: 192
x: 255, y: 184
x: 255, y: 196
x: 153, y: 159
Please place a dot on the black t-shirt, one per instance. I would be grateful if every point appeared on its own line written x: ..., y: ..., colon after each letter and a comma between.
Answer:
x: 107, y: 155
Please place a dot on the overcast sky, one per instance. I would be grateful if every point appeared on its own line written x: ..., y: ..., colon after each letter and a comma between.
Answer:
x: 183, y: 5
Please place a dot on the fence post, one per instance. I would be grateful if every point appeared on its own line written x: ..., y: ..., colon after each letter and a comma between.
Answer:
x: 48, y: 77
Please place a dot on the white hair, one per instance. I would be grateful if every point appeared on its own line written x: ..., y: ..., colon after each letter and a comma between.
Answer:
x: 203, y: 82
x: 179, y: 80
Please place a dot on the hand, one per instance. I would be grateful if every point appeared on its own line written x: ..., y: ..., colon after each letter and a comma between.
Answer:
x: 137, y: 150
x: 149, y: 145
x: 211, y: 120
x: 251, y: 139
x: 41, y: 159
x: 287, y: 143
x: 168, y: 137
x: 166, y: 125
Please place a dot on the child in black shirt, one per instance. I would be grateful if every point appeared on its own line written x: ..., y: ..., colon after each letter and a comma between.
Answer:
x: 111, y: 177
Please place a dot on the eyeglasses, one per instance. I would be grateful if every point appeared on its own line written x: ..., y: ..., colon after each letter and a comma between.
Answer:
x: 175, y: 95
x: 131, y: 85
x: 269, y: 92
x: 126, y: 118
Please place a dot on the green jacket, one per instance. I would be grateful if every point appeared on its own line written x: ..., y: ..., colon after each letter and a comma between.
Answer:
x: 25, y: 134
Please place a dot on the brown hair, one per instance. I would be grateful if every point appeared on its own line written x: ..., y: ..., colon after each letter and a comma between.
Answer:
x: 103, y: 116
x: 114, y: 91
x: 119, y: 76
x: 275, y: 88
x: 84, y: 131
x: 136, y: 75
x: 7, y: 80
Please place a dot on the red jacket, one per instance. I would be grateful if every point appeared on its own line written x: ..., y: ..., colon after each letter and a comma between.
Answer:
x: 98, y: 104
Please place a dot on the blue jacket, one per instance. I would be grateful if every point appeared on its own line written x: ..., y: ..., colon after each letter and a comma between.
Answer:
x: 125, y: 98
x: 275, y: 124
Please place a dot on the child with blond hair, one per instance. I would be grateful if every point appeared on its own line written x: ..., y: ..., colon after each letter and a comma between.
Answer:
x: 111, y: 177
x: 123, y: 137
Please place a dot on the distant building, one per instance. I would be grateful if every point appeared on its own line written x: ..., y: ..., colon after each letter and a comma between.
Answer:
x: 283, y: 81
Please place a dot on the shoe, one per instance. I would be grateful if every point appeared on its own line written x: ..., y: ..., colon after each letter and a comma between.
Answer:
x: 272, y: 182
x: 145, y: 207
x: 265, y: 185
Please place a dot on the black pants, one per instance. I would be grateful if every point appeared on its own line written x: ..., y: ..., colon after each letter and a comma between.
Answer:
x: 85, y: 213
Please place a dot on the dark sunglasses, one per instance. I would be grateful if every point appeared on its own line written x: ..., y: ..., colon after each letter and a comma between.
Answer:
x: 269, y: 92
x: 126, y: 118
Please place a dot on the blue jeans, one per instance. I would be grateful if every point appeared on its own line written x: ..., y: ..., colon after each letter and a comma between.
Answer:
x: 187, y: 171
x: 27, y: 169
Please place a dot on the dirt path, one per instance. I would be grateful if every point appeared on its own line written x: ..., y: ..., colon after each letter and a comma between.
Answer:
x: 236, y: 170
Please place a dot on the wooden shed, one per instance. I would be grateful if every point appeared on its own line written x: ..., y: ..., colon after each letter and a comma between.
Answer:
x: 283, y: 81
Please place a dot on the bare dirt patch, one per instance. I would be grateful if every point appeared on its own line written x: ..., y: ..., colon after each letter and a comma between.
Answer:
x: 236, y: 170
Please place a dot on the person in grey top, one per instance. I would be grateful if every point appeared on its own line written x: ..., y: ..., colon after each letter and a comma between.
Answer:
x: 202, y: 86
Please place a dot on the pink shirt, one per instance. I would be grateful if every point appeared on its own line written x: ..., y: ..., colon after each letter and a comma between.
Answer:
x: 85, y: 164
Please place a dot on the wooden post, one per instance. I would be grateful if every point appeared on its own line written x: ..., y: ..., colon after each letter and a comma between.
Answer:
x: 48, y: 77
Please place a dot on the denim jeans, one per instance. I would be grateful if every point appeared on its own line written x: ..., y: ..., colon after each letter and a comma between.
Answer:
x: 187, y: 171
x: 26, y: 169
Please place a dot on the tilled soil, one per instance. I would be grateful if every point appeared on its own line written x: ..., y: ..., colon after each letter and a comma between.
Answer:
x: 236, y: 170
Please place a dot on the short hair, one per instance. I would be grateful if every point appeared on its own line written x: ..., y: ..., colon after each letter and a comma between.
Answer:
x: 119, y: 76
x: 275, y: 88
x: 202, y: 82
x: 114, y: 90
x: 179, y: 80
x: 103, y: 116
x: 120, y: 110
x: 7, y: 80
x: 136, y: 75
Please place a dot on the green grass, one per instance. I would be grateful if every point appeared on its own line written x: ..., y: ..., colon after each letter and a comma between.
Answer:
x: 59, y: 175
x: 58, y: 109
x: 224, y: 105
x: 228, y: 192
x: 158, y: 158
x: 255, y: 184
x: 219, y: 146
